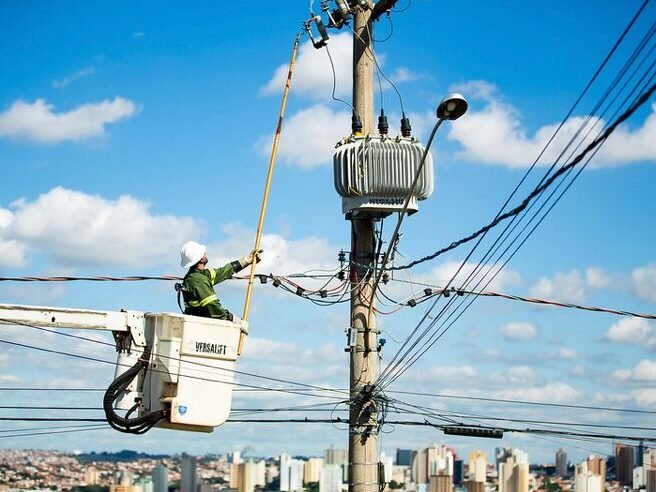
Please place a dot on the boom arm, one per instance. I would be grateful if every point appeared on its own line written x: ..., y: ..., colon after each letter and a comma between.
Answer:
x: 80, y: 319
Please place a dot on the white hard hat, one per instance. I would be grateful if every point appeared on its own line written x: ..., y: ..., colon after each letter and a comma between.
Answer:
x: 191, y: 253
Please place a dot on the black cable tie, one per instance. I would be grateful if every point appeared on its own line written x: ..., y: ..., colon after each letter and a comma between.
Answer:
x: 428, y: 292
x: 412, y: 303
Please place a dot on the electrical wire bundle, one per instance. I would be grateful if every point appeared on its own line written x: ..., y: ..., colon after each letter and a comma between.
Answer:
x: 631, y: 88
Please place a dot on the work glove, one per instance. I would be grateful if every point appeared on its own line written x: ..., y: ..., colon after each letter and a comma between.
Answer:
x: 248, y: 259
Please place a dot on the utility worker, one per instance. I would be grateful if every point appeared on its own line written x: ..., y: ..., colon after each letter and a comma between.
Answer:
x: 198, y: 284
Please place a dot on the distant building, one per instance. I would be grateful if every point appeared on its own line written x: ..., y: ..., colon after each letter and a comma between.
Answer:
x: 590, y: 475
x: 387, y: 471
x: 477, y: 470
x: 561, y: 463
x: 250, y: 474
x: 330, y: 479
x: 404, y: 457
x: 160, y: 478
x: 514, y: 473
x: 435, y: 460
x: 271, y: 473
x: 624, y: 464
x: 144, y: 484
x: 639, y: 456
x: 338, y: 457
x: 441, y: 483
x: 312, y: 470
x: 188, y: 475
x: 291, y: 474
x: 472, y: 486
x: 458, y: 472
x: 91, y: 476
x: 650, y: 480
x: 234, y: 457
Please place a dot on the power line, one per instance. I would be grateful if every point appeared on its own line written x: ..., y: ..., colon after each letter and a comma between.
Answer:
x: 235, y: 371
x: 513, y: 297
x: 523, y: 402
x: 69, y: 431
x: 94, y: 359
x: 394, y: 363
x: 540, y: 189
x: 437, y: 335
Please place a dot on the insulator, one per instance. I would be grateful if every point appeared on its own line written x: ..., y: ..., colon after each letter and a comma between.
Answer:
x: 406, y: 129
x: 343, y: 8
x: 383, y: 126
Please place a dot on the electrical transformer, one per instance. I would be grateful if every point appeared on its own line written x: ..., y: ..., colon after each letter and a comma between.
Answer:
x: 373, y: 174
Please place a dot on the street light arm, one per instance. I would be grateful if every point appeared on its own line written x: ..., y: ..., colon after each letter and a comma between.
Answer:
x: 395, y: 234
x: 381, y: 7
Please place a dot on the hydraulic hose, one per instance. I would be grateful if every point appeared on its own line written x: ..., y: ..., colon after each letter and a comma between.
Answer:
x: 138, y: 425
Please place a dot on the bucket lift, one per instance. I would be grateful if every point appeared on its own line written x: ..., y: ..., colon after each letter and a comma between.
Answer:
x: 172, y: 370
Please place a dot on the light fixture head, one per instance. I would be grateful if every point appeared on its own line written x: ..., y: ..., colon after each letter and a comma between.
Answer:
x: 452, y: 107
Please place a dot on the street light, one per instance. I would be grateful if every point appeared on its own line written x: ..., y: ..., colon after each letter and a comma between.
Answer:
x: 451, y: 108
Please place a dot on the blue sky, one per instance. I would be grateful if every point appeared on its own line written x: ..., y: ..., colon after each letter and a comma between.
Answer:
x: 127, y: 129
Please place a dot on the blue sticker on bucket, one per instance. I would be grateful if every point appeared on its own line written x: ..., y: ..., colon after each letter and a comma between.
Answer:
x: 182, y: 409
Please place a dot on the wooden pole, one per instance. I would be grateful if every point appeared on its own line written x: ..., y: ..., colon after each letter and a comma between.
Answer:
x: 267, y: 188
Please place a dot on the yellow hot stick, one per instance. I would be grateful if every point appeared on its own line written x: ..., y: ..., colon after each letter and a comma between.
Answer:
x: 267, y: 187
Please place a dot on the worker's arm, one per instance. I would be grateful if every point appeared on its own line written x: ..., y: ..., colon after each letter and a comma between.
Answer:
x: 226, y: 271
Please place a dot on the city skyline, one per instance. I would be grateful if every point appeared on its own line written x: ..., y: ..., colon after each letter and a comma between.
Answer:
x: 127, y: 131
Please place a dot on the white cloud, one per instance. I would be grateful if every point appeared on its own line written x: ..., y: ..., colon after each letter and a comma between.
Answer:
x: 632, y: 330
x: 495, y: 134
x: 313, y: 76
x: 281, y: 255
x: 85, y: 72
x: 645, y: 397
x: 645, y: 371
x: 39, y: 122
x: 552, y: 393
x: 451, y: 372
x: 8, y: 378
x: 519, y: 331
x: 403, y: 74
x: 520, y: 374
x: 74, y: 228
x: 644, y: 282
x: 563, y: 353
x: 572, y: 286
x: 309, y: 136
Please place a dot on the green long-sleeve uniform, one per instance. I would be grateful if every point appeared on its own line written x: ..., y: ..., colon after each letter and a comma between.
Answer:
x: 198, y: 291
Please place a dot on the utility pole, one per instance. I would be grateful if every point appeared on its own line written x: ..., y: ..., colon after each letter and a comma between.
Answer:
x: 363, y: 415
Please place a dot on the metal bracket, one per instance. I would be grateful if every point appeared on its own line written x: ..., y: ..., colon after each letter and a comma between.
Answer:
x: 135, y: 323
x: 123, y: 341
